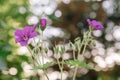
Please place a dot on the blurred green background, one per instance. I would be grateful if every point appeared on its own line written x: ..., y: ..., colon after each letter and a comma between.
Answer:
x: 10, y: 20
x: 69, y: 15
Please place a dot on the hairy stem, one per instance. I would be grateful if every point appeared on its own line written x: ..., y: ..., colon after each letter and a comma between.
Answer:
x: 74, y: 75
x: 60, y: 67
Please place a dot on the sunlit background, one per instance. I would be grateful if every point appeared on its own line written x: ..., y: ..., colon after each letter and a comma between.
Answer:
x: 66, y: 20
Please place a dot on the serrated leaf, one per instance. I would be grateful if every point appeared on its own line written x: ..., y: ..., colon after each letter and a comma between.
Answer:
x: 48, y: 64
x: 44, y: 66
x: 77, y: 63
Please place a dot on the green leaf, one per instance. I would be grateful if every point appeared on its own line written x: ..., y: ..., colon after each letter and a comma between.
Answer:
x: 77, y: 63
x: 44, y: 66
x: 48, y: 64
x: 62, y: 49
x: 56, y: 50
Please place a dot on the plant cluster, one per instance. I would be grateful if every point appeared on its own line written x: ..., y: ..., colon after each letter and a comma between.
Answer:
x: 79, y: 46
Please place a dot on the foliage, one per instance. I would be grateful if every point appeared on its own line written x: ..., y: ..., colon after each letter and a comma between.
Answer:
x: 44, y: 66
x: 77, y: 63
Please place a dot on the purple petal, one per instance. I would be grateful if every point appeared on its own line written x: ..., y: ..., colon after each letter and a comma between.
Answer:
x: 89, y: 22
x: 27, y: 30
x: 23, y: 43
x: 18, y: 33
x: 99, y: 27
x: 34, y: 27
x: 33, y: 34
x: 18, y: 39
x: 94, y: 23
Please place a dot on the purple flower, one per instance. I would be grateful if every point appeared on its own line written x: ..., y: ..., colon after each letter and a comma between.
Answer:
x: 43, y: 22
x: 95, y: 24
x: 24, y: 35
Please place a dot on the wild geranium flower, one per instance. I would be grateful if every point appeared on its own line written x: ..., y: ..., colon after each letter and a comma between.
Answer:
x: 43, y: 23
x: 24, y: 35
x: 95, y: 24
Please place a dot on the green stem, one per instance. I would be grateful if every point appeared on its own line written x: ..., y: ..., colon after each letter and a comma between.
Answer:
x: 46, y: 74
x: 61, y: 73
x: 84, y: 49
x: 74, y: 54
x: 58, y: 63
x: 38, y: 58
x: 78, y: 53
x: 60, y: 67
x: 33, y: 57
x: 43, y: 58
x: 42, y: 50
x: 86, y: 41
x: 29, y: 50
x: 39, y: 35
x: 74, y: 75
x: 76, y: 67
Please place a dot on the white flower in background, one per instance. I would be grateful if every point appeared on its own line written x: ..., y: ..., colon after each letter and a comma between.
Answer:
x: 38, y: 7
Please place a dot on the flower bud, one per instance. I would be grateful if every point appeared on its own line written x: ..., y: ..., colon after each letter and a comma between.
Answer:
x: 43, y: 22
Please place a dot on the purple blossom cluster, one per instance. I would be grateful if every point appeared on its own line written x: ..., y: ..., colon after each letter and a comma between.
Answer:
x: 95, y: 24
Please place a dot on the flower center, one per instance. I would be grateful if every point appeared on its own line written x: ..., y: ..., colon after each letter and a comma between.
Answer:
x: 25, y: 38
